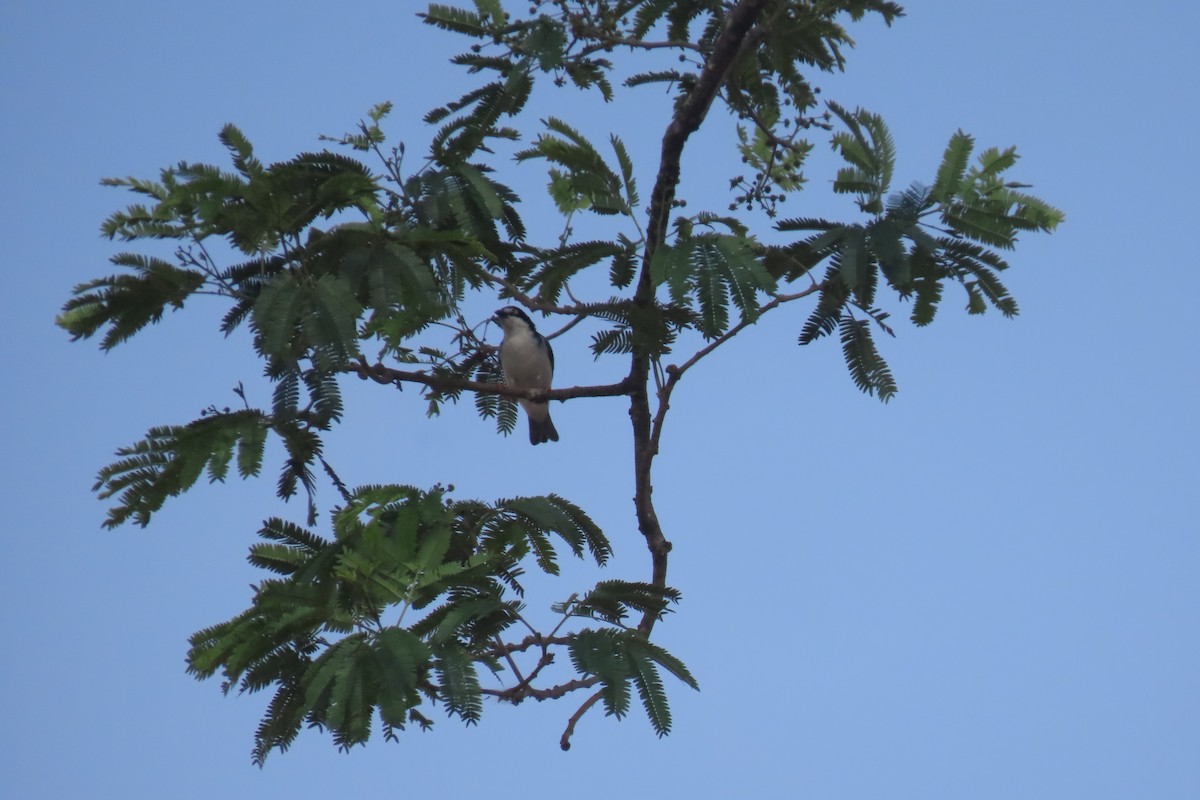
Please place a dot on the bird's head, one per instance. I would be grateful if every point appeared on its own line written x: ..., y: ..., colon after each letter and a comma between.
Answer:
x: 511, y: 318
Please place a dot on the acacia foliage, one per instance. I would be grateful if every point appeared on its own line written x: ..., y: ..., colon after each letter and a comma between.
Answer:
x: 349, y: 252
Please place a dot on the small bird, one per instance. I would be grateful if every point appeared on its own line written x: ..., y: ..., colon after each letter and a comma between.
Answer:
x: 528, y: 363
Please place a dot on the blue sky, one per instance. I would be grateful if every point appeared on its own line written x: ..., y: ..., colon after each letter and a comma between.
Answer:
x: 986, y: 588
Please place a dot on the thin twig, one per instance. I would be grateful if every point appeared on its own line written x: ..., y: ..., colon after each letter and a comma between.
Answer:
x: 337, y: 481
x: 532, y: 303
x: 674, y: 373
x: 516, y: 694
x: 512, y: 664
x: 777, y: 301
x: 565, y: 741
x: 578, y: 319
x: 535, y: 640
x: 605, y: 45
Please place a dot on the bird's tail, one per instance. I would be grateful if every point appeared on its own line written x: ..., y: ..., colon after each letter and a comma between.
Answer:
x: 541, y: 427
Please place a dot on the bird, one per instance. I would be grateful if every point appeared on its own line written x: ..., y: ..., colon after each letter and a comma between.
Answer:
x: 527, y: 361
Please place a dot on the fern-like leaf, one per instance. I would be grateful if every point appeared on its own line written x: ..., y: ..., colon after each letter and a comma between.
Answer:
x: 612, y: 601
x: 599, y: 653
x: 648, y: 14
x: 169, y: 460
x: 540, y: 516
x: 280, y: 724
x: 459, y: 683
x: 288, y: 547
x: 954, y: 165
x: 619, y: 658
x: 400, y: 661
x: 826, y: 315
x: 585, y: 181
x: 714, y: 269
x: 613, y: 340
x: 868, y: 147
x: 127, y: 303
x: 650, y: 687
x: 870, y: 372
x: 457, y: 20
x: 242, y: 152
x: 658, y: 76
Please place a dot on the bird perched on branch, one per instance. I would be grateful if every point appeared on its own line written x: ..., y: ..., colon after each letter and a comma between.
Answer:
x: 528, y: 363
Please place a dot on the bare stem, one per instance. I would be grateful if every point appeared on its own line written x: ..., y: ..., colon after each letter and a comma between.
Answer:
x: 512, y: 664
x: 565, y: 741
x: 515, y: 694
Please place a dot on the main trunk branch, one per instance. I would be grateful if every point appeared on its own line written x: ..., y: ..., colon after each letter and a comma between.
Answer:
x: 688, y: 117
x: 691, y: 113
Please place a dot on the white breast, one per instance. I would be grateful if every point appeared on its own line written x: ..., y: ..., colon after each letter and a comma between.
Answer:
x: 525, y: 364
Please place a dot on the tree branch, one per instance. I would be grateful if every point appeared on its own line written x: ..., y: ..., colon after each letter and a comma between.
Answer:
x: 692, y: 111
x: 674, y: 373
x: 512, y: 664
x: 777, y: 301
x: 524, y: 683
x: 452, y: 383
x: 689, y: 114
x: 533, y: 640
x: 515, y: 694
x: 606, y: 43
